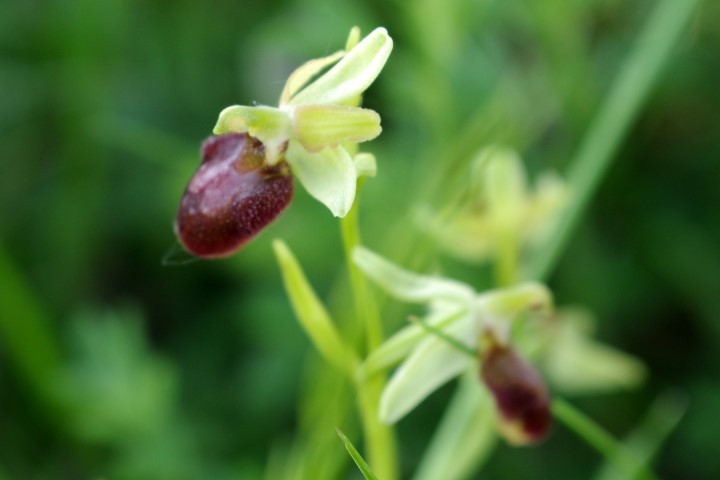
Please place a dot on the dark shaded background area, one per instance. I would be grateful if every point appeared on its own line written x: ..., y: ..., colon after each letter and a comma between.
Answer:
x: 113, y: 364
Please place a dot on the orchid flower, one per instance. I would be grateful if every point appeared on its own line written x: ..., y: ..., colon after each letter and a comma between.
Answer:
x: 244, y: 180
x: 475, y: 321
x: 313, y: 122
x: 496, y: 325
x: 498, y: 208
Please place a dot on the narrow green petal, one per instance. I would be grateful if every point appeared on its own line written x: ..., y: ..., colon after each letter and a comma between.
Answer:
x: 511, y: 301
x: 311, y: 312
x: 397, y: 347
x: 328, y: 175
x: 305, y: 72
x: 319, y: 126
x: 353, y: 38
x: 551, y: 195
x: 409, y: 286
x: 505, y: 185
x: 352, y: 75
x: 578, y: 364
x: 431, y: 365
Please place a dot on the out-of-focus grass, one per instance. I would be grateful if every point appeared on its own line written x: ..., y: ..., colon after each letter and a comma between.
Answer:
x: 104, y: 106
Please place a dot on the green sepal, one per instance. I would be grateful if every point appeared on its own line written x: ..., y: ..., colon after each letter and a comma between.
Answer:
x: 302, y: 75
x: 410, y: 286
x: 350, y: 76
x: 328, y: 175
x: 312, y: 314
x: 397, y: 347
x: 270, y: 125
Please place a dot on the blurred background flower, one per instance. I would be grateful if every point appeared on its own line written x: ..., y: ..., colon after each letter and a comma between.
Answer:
x: 199, y: 371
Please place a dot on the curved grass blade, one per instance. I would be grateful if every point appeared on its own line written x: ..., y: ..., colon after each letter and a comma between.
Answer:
x: 357, y: 458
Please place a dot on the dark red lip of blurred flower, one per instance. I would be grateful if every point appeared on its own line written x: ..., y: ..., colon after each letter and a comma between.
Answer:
x: 231, y: 197
x: 521, y: 396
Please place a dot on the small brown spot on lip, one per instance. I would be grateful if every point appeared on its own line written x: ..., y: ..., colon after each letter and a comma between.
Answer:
x: 231, y: 197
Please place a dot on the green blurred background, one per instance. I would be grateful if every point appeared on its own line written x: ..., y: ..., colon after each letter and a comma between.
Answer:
x: 115, y: 365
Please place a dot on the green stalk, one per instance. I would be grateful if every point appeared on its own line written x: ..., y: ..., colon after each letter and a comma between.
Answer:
x: 612, y: 123
x: 380, y: 441
x: 379, y: 438
x: 601, y: 440
x: 365, y: 306
x: 646, y: 440
x: 506, y: 258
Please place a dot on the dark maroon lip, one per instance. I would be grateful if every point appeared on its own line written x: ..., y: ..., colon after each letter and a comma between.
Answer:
x: 231, y: 197
x: 520, y: 393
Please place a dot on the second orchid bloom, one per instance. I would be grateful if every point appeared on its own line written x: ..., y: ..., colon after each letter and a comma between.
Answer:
x: 463, y: 320
x: 492, y: 333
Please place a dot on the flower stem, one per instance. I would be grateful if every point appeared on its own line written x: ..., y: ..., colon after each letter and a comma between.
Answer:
x: 365, y: 306
x: 612, y: 123
x: 506, y: 259
x: 600, y: 439
x: 379, y: 438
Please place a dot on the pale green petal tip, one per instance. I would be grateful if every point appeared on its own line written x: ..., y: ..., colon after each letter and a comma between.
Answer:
x: 365, y: 164
x: 350, y: 76
x: 303, y: 74
x: 353, y: 38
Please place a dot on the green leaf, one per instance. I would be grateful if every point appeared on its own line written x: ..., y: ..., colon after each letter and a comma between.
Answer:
x: 328, y: 175
x: 311, y: 313
x: 410, y: 286
x: 357, y: 458
x: 352, y: 75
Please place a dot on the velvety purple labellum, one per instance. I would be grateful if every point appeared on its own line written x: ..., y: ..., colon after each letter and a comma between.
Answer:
x: 520, y: 394
x: 231, y: 197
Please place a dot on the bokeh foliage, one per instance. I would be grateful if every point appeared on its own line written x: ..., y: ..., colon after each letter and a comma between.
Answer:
x: 112, y: 363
